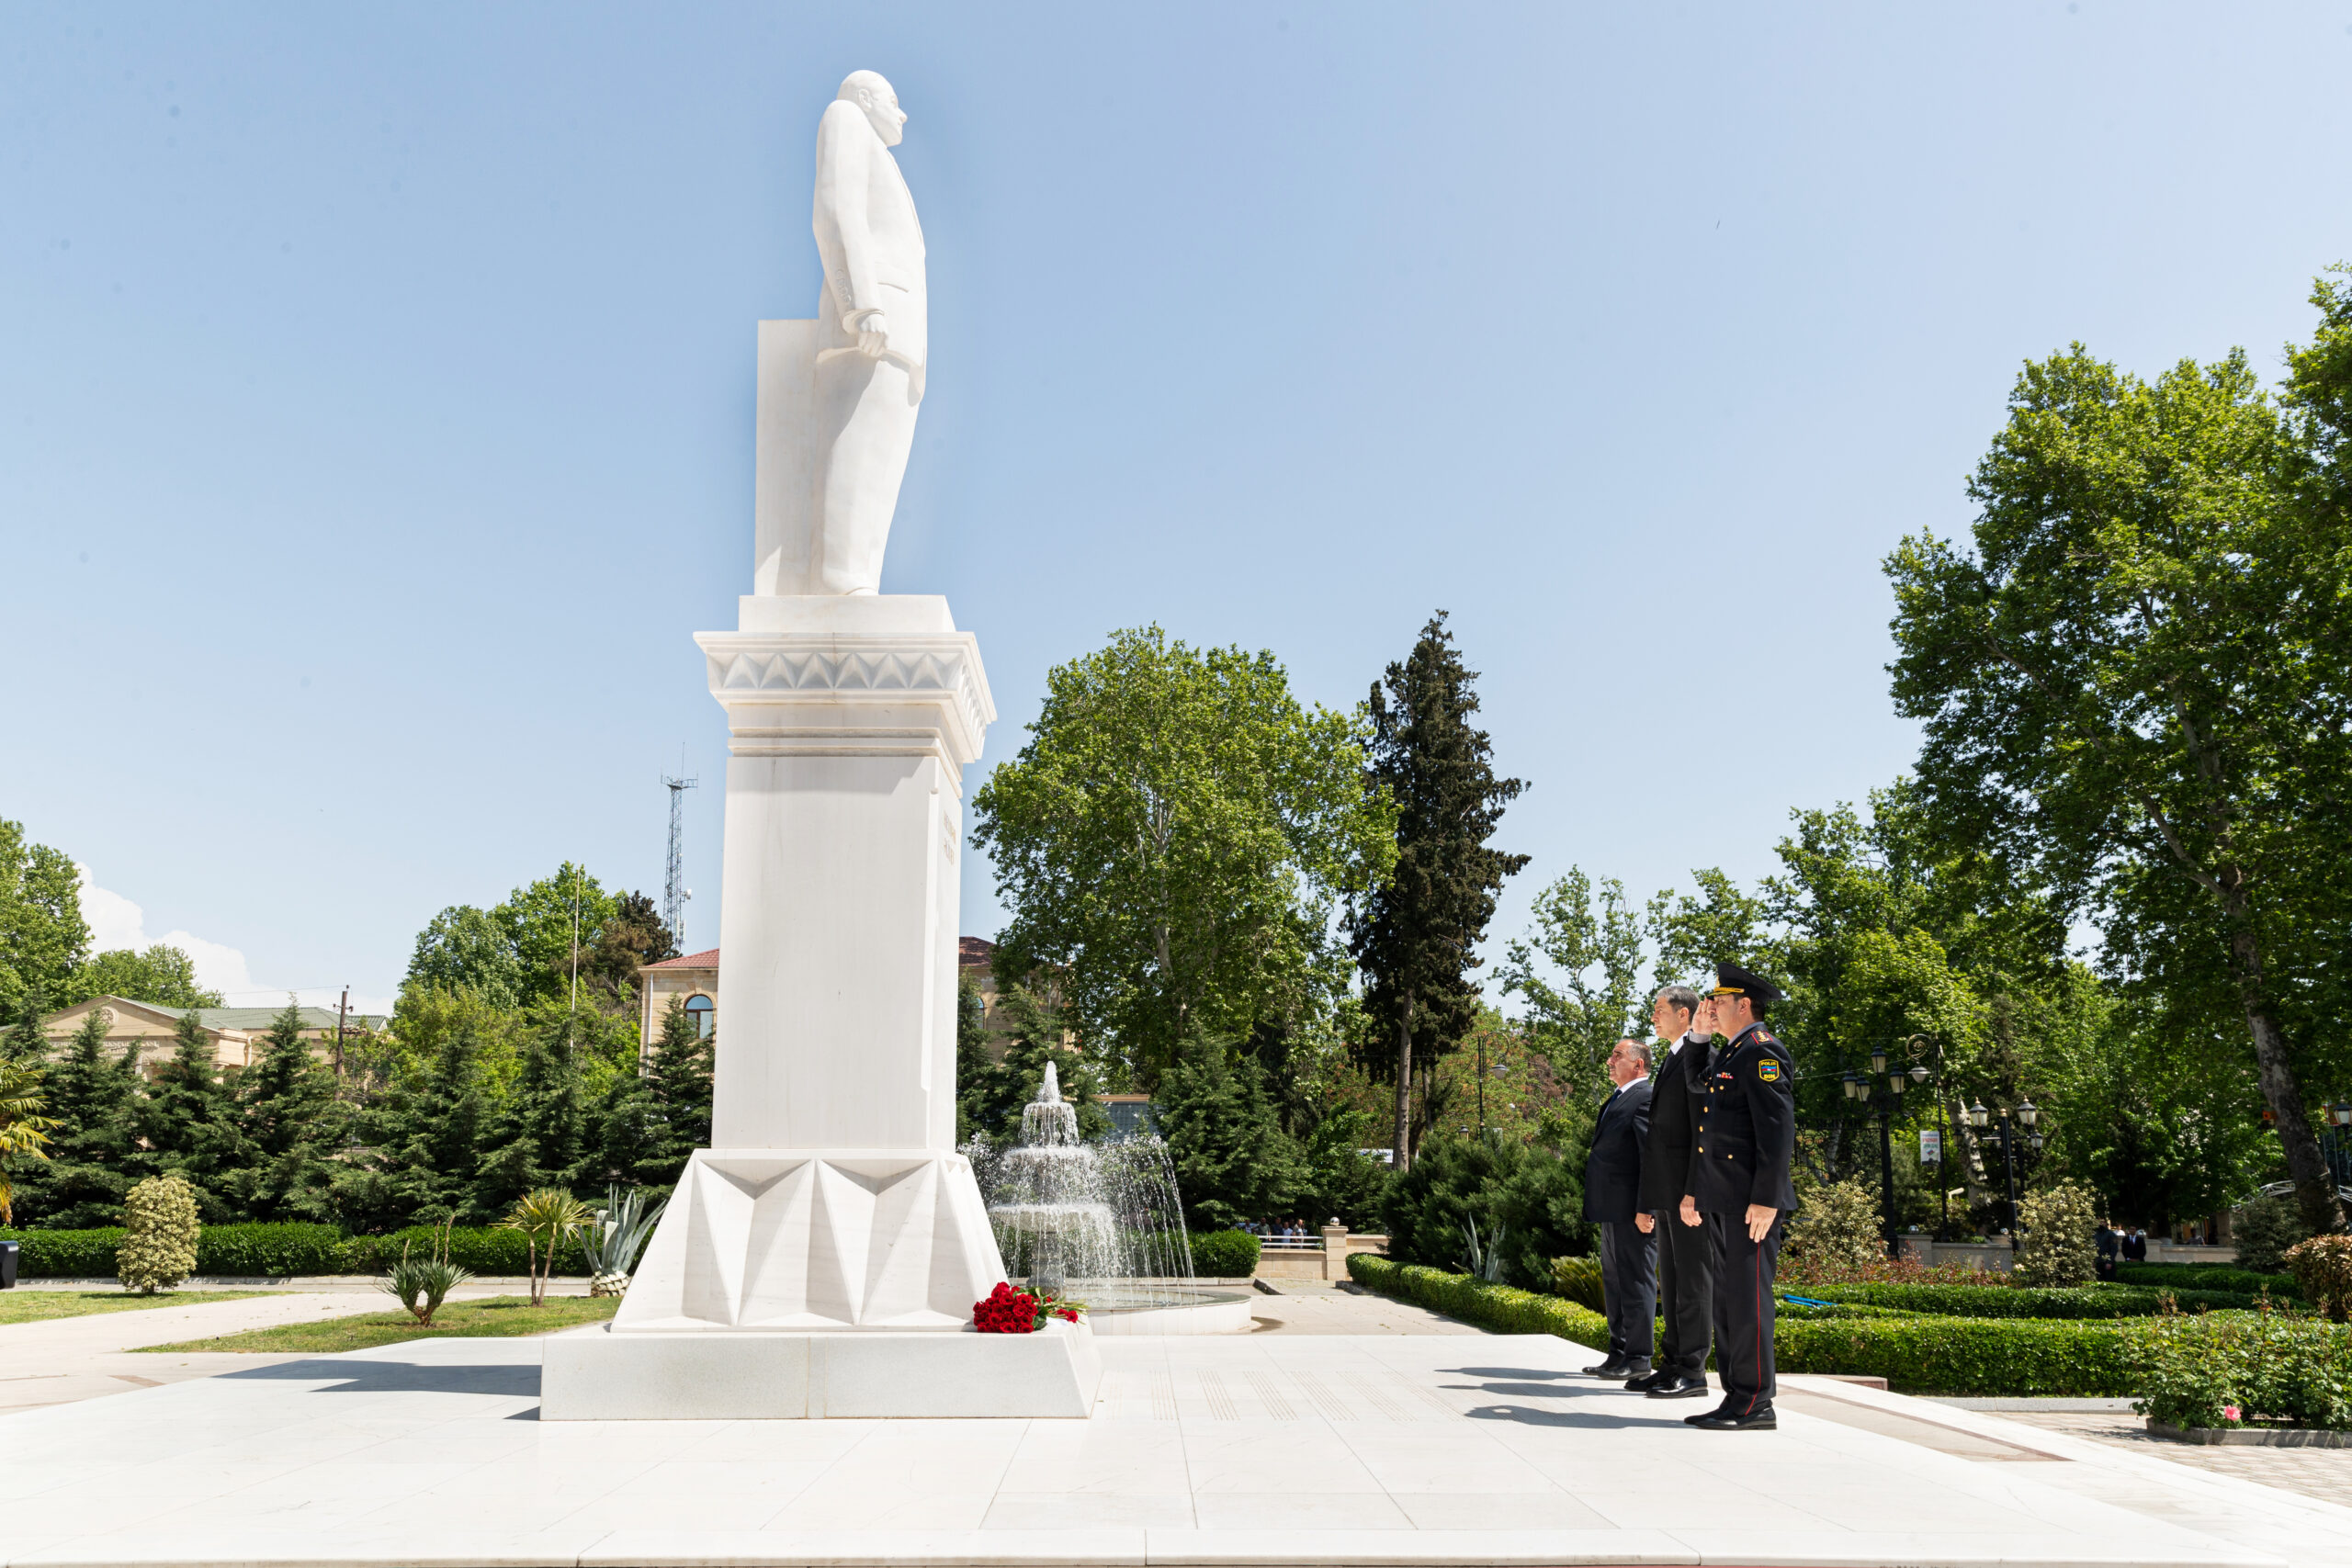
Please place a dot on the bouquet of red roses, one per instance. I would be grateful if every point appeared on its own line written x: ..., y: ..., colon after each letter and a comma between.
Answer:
x: 1008, y: 1311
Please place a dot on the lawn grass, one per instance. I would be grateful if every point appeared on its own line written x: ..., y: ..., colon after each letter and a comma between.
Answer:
x: 23, y: 1305
x: 492, y: 1317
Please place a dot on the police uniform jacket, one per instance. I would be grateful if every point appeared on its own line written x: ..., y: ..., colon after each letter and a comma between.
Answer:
x: 1747, y: 1127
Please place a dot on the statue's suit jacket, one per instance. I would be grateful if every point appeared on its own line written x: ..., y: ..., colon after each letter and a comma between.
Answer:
x: 868, y: 239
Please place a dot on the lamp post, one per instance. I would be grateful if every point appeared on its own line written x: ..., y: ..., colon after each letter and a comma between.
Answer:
x: 2335, y: 1142
x: 1882, y: 1092
x: 2028, y: 1115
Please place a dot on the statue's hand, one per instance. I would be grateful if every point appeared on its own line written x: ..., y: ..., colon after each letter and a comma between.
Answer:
x: 873, y: 335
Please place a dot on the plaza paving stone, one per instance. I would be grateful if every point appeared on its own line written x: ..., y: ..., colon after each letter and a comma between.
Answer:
x: 1280, y: 1447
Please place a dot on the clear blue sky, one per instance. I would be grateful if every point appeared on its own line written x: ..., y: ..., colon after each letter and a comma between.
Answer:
x: 376, y: 387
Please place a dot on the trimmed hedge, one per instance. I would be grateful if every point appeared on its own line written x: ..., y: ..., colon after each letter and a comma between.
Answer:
x: 2074, y: 1302
x: 1223, y: 1255
x: 1916, y: 1354
x: 480, y: 1249
x: 2206, y: 1277
x: 1996, y: 1357
x: 1503, y: 1308
x: 280, y: 1251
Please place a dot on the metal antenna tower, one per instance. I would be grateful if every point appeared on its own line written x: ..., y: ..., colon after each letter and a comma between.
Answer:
x: 673, y: 892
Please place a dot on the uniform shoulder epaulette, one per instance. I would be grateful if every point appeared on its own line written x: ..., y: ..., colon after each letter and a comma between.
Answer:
x: 1764, y: 1037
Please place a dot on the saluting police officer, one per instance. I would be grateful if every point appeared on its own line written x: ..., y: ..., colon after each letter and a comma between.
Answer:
x: 1739, y: 1187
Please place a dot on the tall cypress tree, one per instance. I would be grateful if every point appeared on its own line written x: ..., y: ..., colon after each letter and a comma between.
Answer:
x: 93, y: 1153
x: 1414, y: 937
x: 538, y: 1139
x: 191, y: 1123
x: 972, y: 1062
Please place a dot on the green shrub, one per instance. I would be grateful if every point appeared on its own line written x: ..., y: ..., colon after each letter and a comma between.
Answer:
x: 2080, y: 1301
x: 1223, y: 1255
x: 271, y: 1251
x: 2263, y: 1228
x: 158, y: 1234
x: 2058, y: 1243
x: 2228, y: 1369
x: 1502, y: 1308
x: 1836, y: 1232
x: 66, y: 1255
x: 1528, y: 1191
x: 1578, y: 1278
x: 478, y: 1249
x: 2013, y: 1358
x: 2205, y: 1277
x: 2322, y: 1267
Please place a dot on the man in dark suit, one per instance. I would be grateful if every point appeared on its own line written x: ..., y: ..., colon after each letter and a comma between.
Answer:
x: 1740, y: 1182
x: 1686, y: 1269
x: 1612, y: 1182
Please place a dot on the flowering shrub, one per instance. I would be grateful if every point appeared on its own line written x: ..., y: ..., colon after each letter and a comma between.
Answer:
x: 1836, y: 1232
x: 2242, y: 1367
x: 2323, y: 1269
x: 1008, y: 1311
x: 2058, y: 1245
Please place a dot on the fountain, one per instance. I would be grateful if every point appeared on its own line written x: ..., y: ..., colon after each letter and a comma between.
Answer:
x: 1099, y: 1222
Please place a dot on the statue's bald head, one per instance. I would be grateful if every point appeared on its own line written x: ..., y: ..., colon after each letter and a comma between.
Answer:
x: 872, y: 93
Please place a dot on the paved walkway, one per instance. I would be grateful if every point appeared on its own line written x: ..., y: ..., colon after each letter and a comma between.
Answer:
x: 1265, y: 1448
x: 61, y: 1359
x: 2325, y: 1473
x: 1312, y: 1307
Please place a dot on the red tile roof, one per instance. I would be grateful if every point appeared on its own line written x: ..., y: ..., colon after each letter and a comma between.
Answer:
x: 706, y: 960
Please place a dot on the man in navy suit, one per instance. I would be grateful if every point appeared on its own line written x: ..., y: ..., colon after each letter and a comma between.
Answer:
x: 1612, y: 1185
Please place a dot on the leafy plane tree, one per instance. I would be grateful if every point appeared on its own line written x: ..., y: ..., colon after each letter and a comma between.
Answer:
x: 1173, y: 841
x: 2137, y: 682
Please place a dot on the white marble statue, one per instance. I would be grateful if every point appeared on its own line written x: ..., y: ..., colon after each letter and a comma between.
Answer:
x: 868, y: 354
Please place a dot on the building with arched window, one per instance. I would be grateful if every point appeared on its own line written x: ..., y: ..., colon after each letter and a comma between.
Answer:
x: 694, y: 980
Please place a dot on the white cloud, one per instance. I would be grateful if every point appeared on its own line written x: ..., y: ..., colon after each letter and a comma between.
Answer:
x: 116, y: 922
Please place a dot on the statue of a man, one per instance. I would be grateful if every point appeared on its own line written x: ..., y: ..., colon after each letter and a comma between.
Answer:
x: 870, y: 334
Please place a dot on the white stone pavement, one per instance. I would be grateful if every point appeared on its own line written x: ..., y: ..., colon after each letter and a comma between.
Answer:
x: 1277, y: 1448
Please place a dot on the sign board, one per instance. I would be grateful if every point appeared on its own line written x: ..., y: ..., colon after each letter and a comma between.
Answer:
x: 1931, y: 1146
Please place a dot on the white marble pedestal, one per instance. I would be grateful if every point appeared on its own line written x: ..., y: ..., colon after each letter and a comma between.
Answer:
x: 822, y: 1257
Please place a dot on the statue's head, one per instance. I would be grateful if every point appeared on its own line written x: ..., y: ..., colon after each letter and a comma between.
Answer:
x: 870, y: 92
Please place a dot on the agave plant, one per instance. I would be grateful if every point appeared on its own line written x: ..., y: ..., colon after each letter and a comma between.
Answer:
x: 1485, y: 1259
x: 421, y: 1283
x: 613, y: 1237
x: 545, y: 1217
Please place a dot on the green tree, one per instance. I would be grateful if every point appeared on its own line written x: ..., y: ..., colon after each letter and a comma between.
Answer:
x: 1415, y: 932
x: 684, y: 1065
x: 1172, y: 842
x: 428, y: 1137
x: 538, y: 1138
x: 162, y: 975
x: 466, y: 949
x: 191, y: 1123
x: 1525, y: 1199
x: 1234, y: 1163
x: 1580, y: 975
x: 24, y: 1125
x: 2136, y: 684
x: 42, y: 936
x: 653, y: 1120
x: 1034, y: 1035
x: 93, y: 1153
x: 973, y: 1064
x: 288, y: 1120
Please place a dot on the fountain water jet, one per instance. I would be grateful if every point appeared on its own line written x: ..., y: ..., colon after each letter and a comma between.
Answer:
x: 1100, y: 1223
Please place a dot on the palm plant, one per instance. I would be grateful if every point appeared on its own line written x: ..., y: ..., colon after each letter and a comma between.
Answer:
x: 612, y: 1239
x: 545, y: 1217
x: 23, y: 1128
x: 421, y: 1283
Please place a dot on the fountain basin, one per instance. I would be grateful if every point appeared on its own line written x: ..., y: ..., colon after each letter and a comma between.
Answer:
x: 1166, y: 1309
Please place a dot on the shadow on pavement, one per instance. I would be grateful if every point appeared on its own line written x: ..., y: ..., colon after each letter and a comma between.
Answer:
x: 397, y: 1377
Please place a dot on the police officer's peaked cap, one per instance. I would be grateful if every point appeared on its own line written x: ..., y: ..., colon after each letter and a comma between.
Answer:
x: 1731, y: 980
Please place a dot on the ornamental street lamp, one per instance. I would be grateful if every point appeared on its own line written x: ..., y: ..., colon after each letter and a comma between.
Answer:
x: 1882, y: 1092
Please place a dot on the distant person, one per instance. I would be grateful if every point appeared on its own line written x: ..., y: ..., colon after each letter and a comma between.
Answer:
x: 1686, y: 1272
x: 1740, y: 1183
x: 2135, y: 1245
x: 2110, y: 1247
x: 1612, y: 1185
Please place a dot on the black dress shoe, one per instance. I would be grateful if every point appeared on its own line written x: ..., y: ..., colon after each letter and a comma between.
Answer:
x: 1665, y: 1386
x: 1638, y: 1370
x: 1706, y: 1415
x: 1615, y: 1367
x: 1724, y: 1421
x: 1656, y: 1379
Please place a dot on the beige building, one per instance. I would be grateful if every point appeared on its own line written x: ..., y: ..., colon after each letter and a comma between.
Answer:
x: 236, y: 1033
x: 694, y: 978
